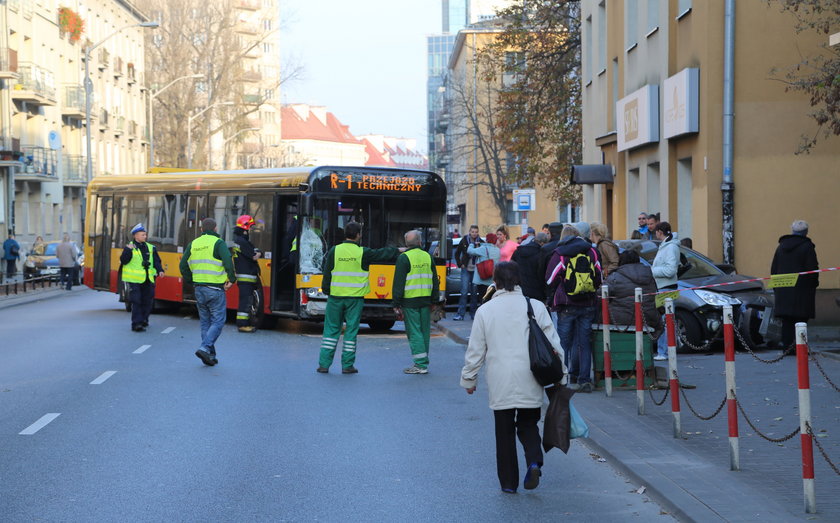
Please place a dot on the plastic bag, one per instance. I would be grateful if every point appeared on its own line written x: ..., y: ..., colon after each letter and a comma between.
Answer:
x: 579, y: 428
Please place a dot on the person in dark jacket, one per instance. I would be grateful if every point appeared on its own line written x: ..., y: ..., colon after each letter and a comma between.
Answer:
x: 245, y: 257
x: 622, y: 283
x: 527, y: 257
x: 554, y: 229
x: 467, y: 265
x: 575, y: 312
x: 795, y: 253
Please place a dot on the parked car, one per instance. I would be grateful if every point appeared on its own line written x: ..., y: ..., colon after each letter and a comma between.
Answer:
x: 42, y: 261
x: 699, y: 313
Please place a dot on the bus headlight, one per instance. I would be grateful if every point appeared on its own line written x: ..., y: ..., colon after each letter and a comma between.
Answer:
x: 315, y: 293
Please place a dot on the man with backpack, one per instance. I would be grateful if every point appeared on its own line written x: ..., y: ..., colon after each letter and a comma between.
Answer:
x: 573, y: 276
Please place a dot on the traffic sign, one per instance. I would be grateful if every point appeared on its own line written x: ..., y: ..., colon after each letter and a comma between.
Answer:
x: 524, y: 200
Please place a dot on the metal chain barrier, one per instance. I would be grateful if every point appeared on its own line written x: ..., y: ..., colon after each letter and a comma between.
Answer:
x: 747, y: 347
x: 699, y: 348
x: 755, y: 429
x: 704, y: 418
x: 822, y: 371
x: 822, y: 451
x: 665, y: 397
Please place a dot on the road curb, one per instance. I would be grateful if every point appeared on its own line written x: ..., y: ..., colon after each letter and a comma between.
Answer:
x: 13, y: 300
x: 452, y: 335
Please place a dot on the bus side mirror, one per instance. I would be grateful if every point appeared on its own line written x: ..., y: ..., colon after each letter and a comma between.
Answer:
x: 307, y: 205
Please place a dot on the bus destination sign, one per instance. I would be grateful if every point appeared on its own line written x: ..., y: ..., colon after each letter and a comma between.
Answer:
x: 378, y: 181
x: 374, y: 182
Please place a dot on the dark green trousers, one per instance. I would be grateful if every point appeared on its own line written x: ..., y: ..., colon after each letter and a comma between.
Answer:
x: 339, y: 311
x: 418, y: 328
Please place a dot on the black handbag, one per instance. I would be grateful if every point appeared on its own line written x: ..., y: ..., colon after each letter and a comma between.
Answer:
x: 545, y: 363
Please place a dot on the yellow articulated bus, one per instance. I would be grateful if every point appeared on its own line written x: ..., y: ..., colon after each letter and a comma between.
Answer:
x: 299, y: 212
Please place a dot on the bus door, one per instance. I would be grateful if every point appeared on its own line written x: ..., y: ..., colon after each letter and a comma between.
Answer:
x: 284, y: 253
x: 196, y: 211
x: 102, y: 239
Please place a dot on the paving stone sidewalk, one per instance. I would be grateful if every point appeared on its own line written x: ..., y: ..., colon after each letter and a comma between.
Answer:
x: 691, y: 475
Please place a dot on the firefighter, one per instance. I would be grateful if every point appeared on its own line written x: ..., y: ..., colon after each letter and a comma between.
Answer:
x: 346, y: 284
x: 415, y: 290
x: 245, y: 257
x: 140, y: 263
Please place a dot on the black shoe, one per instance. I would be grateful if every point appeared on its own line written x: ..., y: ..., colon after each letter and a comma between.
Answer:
x: 145, y: 324
x: 509, y: 490
x: 586, y: 387
x: 138, y: 328
x: 322, y: 370
x: 206, y: 357
x: 532, y: 477
x: 350, y: 370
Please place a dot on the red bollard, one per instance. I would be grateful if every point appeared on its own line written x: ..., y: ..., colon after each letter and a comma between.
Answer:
x: 640, y: 369
x: 731, y: 405
x: 805, y: 418
x: 673, y: 381
x: 605, y: 325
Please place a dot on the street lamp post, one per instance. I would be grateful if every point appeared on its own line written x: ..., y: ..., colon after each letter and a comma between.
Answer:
x: 189, y: 129
x: 224, y: 145
x: 152, y: 97
x: 89, y: 91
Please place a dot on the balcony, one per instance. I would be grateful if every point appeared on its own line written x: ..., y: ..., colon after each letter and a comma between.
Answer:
x: 251, y: 98
x: 39, y: 163
x: 247, y: 5
x: 247, y: 28
x: 132, y: 129
x: 118, y: 67
x: 34, y: 85
x: 104, y: 59
x: 254, y: 122
x: 74, y: 102
x: 251, y: 75
x: 8, y: 63
x: 103, y: 120
x: 249, y: 147
x: 119, y: 125
x: 131, y: 76
x: 75, y: 166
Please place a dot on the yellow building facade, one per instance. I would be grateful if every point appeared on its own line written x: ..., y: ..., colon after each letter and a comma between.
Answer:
x: 653, y: 109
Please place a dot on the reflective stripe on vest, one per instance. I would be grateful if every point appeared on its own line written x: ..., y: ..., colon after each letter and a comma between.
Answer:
x: 133, y: 271
x: 348, y: 278
x: 205, y: 267
x: 246, y: 278
x: 419, y: 281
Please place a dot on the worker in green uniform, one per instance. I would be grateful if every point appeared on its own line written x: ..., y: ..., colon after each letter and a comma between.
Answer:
x: 415, y: 289
x: 346, y: 282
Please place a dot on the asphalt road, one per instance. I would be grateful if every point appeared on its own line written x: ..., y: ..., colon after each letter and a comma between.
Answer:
x: 98, y: 423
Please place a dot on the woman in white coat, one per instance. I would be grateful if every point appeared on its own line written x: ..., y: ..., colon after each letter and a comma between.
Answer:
x: 499, y: 338
x: 664, y: 269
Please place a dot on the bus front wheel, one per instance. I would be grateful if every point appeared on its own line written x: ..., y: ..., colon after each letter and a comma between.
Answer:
x: 381, y: 325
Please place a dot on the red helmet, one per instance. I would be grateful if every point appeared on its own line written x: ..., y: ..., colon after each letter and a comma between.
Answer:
x: 245, y: 221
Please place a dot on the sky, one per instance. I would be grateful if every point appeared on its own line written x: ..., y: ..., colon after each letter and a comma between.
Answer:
x: 365, y: 60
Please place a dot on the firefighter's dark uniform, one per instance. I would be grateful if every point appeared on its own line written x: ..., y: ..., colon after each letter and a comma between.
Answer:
x: 415, y: 289
x: 247, y: 272
x: 346, y: 282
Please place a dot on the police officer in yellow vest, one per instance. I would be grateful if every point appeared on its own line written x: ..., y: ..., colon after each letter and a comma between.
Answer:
x: 207, y: 264
x: 346, y: 282
x: 140, y: 264
x: 415, y: 290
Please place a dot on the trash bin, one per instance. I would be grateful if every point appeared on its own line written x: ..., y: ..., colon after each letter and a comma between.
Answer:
x: 623, y: 356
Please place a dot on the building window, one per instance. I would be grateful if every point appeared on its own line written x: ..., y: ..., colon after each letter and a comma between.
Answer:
x: 614, y: 91
x: 652, y: 15
x: 631, y: 10
x: 266, y: 24
x: 587, y: 51
x: 602, y: 36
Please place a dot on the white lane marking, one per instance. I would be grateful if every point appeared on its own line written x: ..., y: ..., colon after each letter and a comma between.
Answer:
x: 142, y: 349
x: 188, y: 317
x: 168, y: 330
x: 38, y: 425
x: 101, y: 379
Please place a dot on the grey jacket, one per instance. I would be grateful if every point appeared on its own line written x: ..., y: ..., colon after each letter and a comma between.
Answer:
x: 66, y: 254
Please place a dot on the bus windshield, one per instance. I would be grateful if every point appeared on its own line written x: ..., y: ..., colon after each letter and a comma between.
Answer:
x: 384, y: 222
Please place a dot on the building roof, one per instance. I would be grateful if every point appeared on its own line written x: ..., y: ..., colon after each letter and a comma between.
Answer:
x: 305, y: 122
x: 397, y: 152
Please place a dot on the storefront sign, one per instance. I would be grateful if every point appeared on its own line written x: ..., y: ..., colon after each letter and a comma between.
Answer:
x: 638, y: 118
x: 681, y: 105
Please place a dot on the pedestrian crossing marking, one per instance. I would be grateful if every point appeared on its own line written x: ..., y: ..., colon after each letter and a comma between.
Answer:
x: 168, y: 330
x: 142, y: 349
x: 38, y: 425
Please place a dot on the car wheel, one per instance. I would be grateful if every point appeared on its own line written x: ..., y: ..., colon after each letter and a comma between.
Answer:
x: 381, y: 325
x: 748, y: 327
x: 688, y: 328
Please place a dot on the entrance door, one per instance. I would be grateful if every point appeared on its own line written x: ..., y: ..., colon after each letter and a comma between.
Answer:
x: 196, y: 211
x: 102, y: 241
x: 284, y: 264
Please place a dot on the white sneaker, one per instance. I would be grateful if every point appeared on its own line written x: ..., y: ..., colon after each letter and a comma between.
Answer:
x: 414, y: 369
x: 660, y: 357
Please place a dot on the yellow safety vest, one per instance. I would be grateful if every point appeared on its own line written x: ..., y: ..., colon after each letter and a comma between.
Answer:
x: 204, y: 265
x: 133, y: 271
x: 348, y: 278
x: 419, y: 280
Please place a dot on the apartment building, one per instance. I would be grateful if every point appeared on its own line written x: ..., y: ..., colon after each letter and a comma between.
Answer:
x: 42, y: 108
x: 653, y: 112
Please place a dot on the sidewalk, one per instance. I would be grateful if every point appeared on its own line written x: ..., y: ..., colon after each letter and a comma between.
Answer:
x: 690, y: 476
x: 32, y: 293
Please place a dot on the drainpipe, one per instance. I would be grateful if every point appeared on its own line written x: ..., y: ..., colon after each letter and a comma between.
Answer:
x: 728, y: 186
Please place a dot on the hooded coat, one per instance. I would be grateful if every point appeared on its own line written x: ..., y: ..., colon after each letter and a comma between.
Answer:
x: 796, y: 253
x: 530, y: 278
x: 666, y: 263
x: 555, y: 273
x: 622, y: 283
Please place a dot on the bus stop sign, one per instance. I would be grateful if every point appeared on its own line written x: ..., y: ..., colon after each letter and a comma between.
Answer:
x: 524, y: 200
